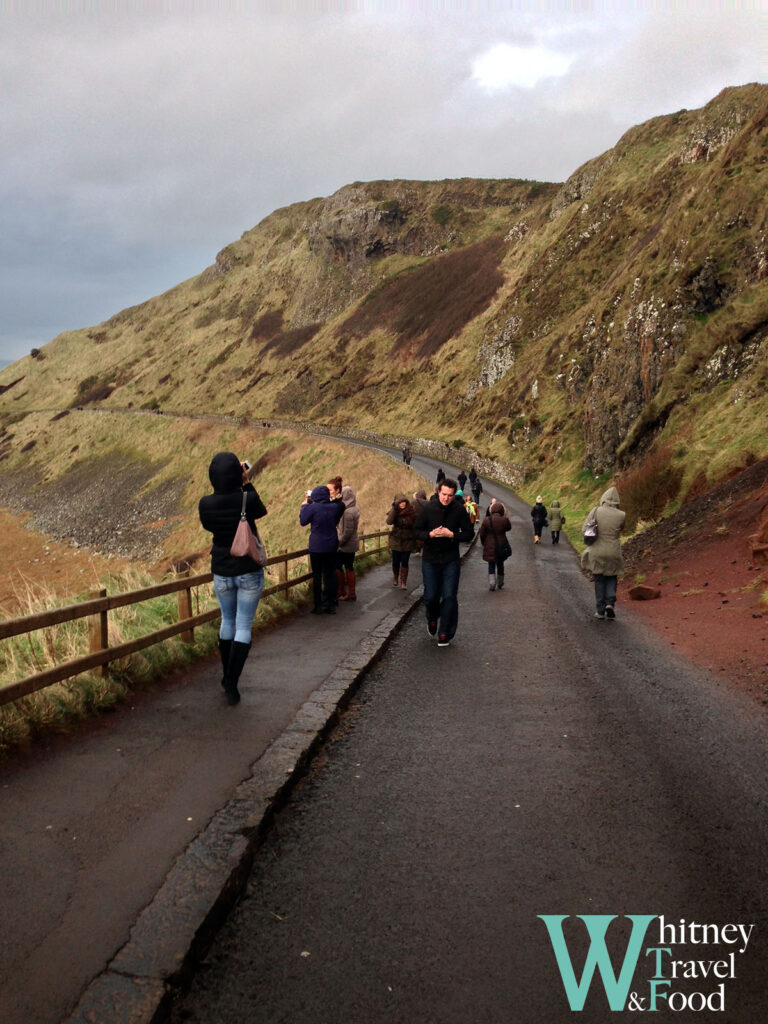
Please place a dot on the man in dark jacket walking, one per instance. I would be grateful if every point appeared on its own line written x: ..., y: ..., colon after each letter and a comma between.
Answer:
x: 441, y: 525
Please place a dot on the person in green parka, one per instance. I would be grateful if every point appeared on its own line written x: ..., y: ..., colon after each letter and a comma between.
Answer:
x: 556, y: 520
x: 603, y: 558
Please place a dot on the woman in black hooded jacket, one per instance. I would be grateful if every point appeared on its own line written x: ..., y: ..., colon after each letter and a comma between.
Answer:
x: 237, y: 581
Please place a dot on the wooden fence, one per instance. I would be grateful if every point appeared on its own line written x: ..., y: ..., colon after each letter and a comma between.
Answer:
x: 97, y: 611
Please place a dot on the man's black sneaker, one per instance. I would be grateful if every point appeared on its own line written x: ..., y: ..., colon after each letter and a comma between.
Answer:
x: 431, y: 627
x: 609, y: 612
x: 443, y: 641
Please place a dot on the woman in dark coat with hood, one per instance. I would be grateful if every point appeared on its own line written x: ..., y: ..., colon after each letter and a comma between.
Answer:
x: 237, y: 581
x: 322, y: 516
x: 493, y: 534
x: 402, y: 540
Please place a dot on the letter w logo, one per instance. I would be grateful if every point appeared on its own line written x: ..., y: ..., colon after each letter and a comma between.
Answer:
x: 616, y: 989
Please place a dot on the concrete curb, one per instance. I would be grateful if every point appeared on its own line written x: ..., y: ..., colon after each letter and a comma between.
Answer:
x: 173, y: 932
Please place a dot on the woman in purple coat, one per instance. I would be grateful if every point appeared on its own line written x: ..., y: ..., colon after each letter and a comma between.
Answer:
x: 322, y: 516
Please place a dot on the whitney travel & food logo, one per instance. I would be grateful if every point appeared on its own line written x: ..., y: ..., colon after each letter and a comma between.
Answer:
x: 665, y: 975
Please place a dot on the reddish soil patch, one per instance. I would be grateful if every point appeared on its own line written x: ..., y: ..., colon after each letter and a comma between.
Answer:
x: 35, y: 563
x: 701, y: 559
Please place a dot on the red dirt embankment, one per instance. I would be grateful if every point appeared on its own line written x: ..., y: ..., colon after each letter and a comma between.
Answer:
x: 709, y: 562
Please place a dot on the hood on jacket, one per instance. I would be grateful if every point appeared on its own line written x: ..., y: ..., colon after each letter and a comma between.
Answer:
x: 225, y: 473
x: 420, y: 495
x: 611, y: 497
x: 402, y: 497
x: 321, y: 493
x: 554, y: 504
x: 497, y: 509
x: 348, y: 497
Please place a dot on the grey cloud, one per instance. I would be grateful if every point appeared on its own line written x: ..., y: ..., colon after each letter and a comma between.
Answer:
x: 134, y: 147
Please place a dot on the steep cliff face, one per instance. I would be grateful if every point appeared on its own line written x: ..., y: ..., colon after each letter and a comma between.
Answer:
x: 578, y: 325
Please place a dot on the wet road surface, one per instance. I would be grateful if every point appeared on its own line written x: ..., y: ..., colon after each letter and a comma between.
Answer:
x: 544, y: 764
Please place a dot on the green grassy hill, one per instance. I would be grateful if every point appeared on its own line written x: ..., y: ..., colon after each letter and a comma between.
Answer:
x: 612, y: 325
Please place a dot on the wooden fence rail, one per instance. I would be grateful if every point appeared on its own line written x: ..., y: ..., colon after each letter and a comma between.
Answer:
x: 97, y: 610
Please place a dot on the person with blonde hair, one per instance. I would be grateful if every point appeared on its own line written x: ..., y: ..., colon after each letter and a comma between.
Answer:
x: 539, y: 517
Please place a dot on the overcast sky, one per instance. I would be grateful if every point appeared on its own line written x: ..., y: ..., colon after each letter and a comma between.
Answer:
x: 139, y: 139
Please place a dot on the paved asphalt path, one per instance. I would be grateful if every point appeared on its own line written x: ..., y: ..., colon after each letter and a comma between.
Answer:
x: 544, y: 763
x: 91, y: 823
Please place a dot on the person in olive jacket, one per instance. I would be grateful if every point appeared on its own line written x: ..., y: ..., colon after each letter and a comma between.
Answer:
x: 322, y: 516
x: 493, y: 534
x: 603, y: 558
x: 441, y: 525
x: 402, y: 540
x: 237, y: 581
x: 556, y: 520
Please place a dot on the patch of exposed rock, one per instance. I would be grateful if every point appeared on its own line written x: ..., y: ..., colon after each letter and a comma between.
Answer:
x: 101, y: 505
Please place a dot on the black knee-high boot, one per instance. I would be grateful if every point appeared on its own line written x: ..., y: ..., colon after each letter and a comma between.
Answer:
x: 225, y: 648
x: 237, y: 657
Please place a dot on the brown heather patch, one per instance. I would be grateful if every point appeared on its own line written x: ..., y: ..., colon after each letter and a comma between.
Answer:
x: 287, y: 342
x: 267, y: 325
x: 432, y: 303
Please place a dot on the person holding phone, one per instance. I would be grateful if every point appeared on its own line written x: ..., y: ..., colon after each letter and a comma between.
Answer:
x: 237, y: 581
x: 322, y: 516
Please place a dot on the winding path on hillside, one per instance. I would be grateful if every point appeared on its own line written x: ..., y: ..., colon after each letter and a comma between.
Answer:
x: 545, y: 763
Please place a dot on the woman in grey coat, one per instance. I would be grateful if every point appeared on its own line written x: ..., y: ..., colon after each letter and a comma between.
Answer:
x: 349, y: 542
x: 603, y: 558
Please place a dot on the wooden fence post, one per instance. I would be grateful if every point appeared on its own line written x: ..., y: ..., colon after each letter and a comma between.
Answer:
x: 184, y: 598
x: 282, y: 567
x: 98, y: 633
x: 361, y: 542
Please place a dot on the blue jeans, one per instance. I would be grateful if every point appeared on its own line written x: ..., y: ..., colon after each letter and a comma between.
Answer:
x: 238, y: 598
x: 441, y: 588
x: 605, y: 591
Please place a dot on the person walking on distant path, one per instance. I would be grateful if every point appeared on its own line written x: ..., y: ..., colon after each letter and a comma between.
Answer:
x: 349, y: 542
x: 402, y: 540
x: 441, y: 525
x: 496, y: 546
x: 440, y: 476
x: 462, y: 479
x: 603, y: 558
x: 322, y: 516
x: 237, y: 581
x: 477, y: 489
x: 539, y: 517
x: 556, y: 520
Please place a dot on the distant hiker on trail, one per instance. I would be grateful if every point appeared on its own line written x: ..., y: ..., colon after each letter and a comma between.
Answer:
x: 539, y: 517
x: 603, y: 558
x: 405, y: 454
x: 440, y: 476
x: 441, y: 525
x: 419, y: 501
x: 474, y: 483
x: 237, y: 581
x: 322, y: 516
x: 556, y: 520
x: 462, y: 480
x: 496, y: 546
x: 402, y: 540
x: 349, y: 542
x: 408, y: 457
x: 471, y: 506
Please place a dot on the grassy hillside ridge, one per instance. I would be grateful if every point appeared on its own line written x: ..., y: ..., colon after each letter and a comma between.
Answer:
x: 130, y: 484
x: 612, y: 325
